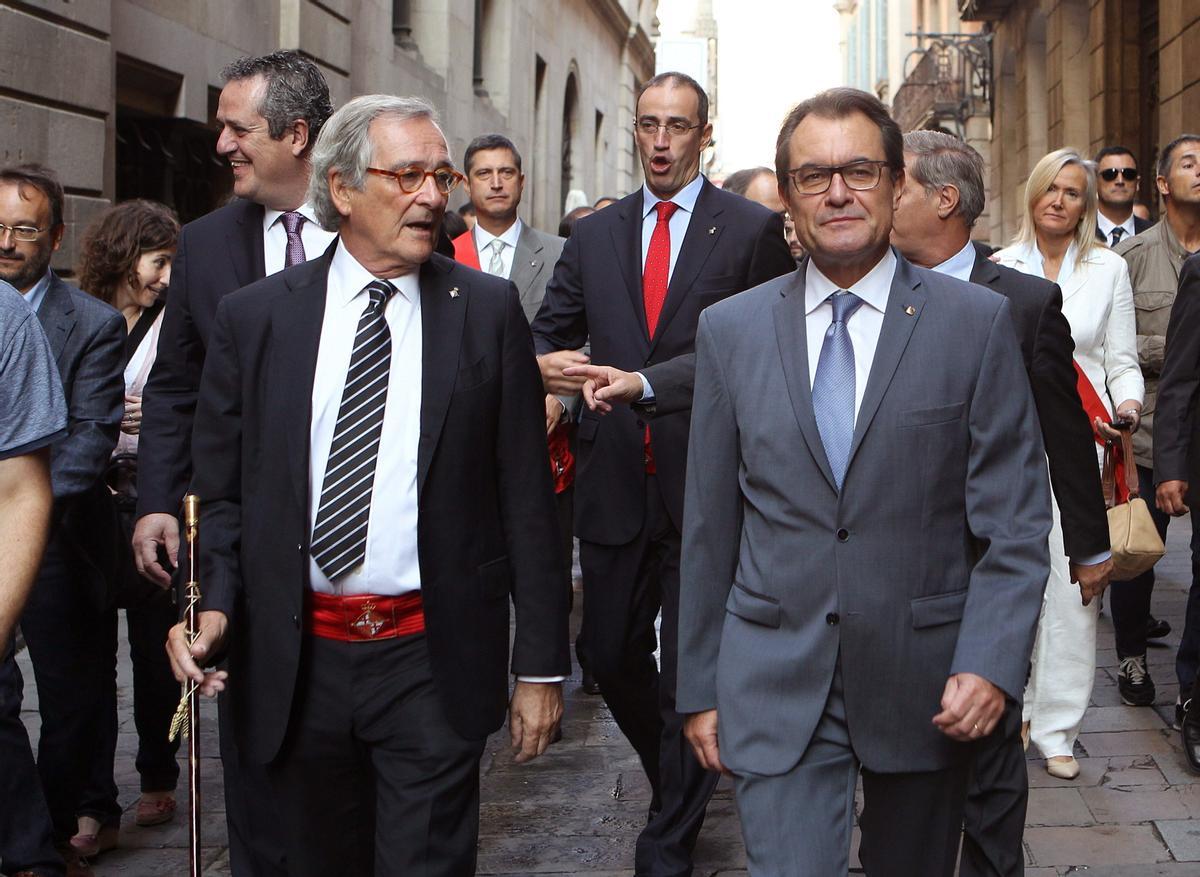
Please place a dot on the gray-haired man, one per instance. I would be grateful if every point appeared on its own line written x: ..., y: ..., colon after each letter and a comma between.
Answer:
x: 370, y: 446
x: 942, y: 198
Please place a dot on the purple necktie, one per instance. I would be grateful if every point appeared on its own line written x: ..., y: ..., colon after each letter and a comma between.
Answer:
x: 292, y: 221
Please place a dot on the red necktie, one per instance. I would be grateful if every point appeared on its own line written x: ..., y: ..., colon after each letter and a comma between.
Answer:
x: 655, y: 277
x: 658, y: 265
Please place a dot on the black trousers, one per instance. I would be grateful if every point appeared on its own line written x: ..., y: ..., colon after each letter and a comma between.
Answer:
x: 997, y: 798
x: 372, y: 779
x: 624, y: 588
x: 26, y: 835
x: 1129, y: 602
x: 65, y: 631
x: 155, y: 696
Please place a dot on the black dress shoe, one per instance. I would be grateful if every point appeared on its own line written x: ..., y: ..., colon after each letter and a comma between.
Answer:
x: 589, y: 684
x: 1189, y: 730
x: 1156, y: 628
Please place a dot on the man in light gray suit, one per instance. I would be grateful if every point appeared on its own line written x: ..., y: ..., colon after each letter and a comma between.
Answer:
x: 863, y: 562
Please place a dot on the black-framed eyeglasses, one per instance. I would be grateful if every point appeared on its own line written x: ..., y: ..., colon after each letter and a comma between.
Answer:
x: 815, y: 179
x: 675, y: 128
x: 1110, y: 173
x: 410, y: 179
x: 24, y: 233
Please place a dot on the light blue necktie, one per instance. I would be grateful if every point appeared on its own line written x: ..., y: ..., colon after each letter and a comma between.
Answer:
x: 833, y: 386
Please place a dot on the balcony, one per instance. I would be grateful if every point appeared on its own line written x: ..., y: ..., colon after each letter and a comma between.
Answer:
x: 984, y: 10
x: 949, y: 82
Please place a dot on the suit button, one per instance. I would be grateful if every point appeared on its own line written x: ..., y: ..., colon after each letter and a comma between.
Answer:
x: 832, y: 619
x: 296, y: 621
x: 843, y: 535
x: 300, y: 548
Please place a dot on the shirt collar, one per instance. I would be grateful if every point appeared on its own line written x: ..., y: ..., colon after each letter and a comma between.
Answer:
x: 1106, y: 226
x: 37, y: 292
x: 348, y: 280
x: 685, y: 198
x: 270, y: 217
x: 510, y: 236
x: 873, y: 288
x: 960, y: 265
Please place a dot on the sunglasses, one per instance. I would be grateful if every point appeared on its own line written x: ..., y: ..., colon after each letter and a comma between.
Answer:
x: 1110, y: 173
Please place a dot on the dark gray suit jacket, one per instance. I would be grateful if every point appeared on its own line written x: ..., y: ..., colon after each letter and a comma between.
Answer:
x: 931, y: 561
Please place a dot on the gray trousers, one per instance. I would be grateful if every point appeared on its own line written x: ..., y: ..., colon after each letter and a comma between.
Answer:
x: 798, y: 824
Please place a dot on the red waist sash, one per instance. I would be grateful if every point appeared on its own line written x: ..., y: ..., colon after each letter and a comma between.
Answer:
x: 364, y: 617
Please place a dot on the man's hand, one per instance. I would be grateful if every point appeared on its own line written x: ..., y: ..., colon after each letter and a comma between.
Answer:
x: 533, y: 715
x: 701, y: 731
x: 552, y: 366
x: 150, y: 532
x: 188, y: 663
x: 554, y: 412
x: 1170, y: 497
x: 1092, y: 579
x: 971, y: 707
x: 605, y: 385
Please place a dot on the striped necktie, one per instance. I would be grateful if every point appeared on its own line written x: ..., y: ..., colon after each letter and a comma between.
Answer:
x: 339, y: 539
x: 496, y: 263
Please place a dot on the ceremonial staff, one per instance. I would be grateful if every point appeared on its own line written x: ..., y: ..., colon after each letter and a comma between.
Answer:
x: 188, y: 712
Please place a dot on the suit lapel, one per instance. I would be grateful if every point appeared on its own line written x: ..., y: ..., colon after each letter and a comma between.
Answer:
x: 527, y: 262
x: 898, y: 325
x: 57, y: 315
x: 1077, y: 281
x: 627, y: 242
x: 245, y: 239
x: 984, y: 272
x: 702, y: 235
x: 443, y: 317
x: 792, y: 337
x: 296, y: 319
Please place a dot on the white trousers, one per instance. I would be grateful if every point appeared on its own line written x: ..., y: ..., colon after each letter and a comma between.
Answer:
x: 1064, y: 657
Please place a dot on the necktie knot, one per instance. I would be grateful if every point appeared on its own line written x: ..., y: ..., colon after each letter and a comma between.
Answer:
x: 665, y: 210
x: 292, y: 220
x: 844, y: 305
x: 1117, y: 234
x: 379, y: 291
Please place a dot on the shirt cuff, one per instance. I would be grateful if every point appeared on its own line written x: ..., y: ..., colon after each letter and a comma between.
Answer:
x: 647, y: 390
x: 1092, y: 560
x: 542, y: 680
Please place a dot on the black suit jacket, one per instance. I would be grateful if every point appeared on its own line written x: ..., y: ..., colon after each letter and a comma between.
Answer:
x: 217, y: 254
x: 596, y: 292
x: 486, y: 514
x: 1176, y: 438
x: 1139, y: 226
x: 1047, y: 348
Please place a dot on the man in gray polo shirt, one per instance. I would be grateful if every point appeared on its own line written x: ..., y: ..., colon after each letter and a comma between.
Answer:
x: 33, y: 414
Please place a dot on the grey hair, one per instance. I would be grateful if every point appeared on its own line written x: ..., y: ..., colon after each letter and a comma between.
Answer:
x: 345, y: 147
x: 941, y: 159
x: 295, y: 89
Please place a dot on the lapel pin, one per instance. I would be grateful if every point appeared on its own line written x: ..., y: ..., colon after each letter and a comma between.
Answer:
x: 712, y: 230
x: 454, y: 292
x: 910, y: 310
x: 533, y: 264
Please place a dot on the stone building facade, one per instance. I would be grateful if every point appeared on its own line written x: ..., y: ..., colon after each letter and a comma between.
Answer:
x: 1087, y: 74
x: 119, y: 95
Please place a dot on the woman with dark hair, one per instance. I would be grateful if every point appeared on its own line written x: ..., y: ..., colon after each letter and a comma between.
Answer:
x: 125, y: 261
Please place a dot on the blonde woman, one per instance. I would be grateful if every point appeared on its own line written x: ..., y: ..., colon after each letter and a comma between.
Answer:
x: 1057, y: 241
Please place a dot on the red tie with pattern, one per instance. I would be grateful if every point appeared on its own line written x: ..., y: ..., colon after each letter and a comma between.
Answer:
x: 655, y: 277
x: 658, y: 265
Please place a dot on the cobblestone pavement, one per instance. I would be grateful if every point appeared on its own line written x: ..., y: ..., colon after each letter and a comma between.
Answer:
x: 1133, y: 812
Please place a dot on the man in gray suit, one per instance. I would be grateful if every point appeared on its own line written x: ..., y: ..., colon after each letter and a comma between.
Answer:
x: 68, y: 610
x: 863, y: 564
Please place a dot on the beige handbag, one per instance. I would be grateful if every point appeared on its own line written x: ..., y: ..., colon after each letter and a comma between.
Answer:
x: 1136, y: 545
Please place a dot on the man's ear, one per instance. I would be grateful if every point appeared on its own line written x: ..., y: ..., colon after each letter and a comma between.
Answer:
x: 339, y: 192
x: 56, y: 236
x: 300, y: 137
x: 1161, y: 183
x: 948, y: 199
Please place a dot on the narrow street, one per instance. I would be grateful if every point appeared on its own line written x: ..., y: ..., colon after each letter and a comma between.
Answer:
x: 1133, y: 812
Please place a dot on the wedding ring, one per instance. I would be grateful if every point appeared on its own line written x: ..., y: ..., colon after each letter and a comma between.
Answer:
x: 976, y: 727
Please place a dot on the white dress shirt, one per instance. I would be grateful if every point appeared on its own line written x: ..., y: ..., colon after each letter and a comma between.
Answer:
x: 36, y: 293
x: 483, y: 246
x: 960, y: 265
x: 678, y: 226
x: 316, y: 239
x: 864, y: 324
x: 1106, y: 226
x: 391, y: 565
